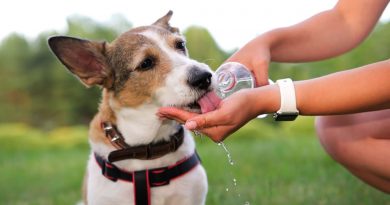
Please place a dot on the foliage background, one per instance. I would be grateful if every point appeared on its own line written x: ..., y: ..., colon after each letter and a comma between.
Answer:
x: 44, y: 113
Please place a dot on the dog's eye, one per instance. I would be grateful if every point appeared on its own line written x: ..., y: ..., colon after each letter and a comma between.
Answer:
x: 180, y: 45
x: 147, y: 63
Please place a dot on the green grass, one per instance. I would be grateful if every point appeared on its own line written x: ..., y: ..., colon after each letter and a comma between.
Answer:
x: 273, y: 165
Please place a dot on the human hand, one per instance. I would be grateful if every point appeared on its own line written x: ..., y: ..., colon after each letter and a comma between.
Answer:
x: 231, y: 114
x: 255, y: 55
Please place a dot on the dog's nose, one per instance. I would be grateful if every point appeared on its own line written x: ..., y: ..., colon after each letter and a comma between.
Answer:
x: 199, y: 78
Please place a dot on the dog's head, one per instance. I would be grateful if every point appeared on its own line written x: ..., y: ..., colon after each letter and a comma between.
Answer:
x: 148, y: 64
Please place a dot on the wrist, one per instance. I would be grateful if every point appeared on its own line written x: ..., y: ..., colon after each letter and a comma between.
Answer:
x: 267, y: 99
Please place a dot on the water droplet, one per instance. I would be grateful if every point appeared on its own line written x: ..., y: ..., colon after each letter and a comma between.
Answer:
x: 230, y: 159
x: 198, y: 134
x: 234, y: 180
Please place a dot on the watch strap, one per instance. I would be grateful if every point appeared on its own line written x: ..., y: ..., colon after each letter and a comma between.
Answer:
x: 288, y: 107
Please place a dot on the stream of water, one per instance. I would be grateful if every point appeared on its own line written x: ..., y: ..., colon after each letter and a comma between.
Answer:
x: 231, y: 163
x: 234, y: 180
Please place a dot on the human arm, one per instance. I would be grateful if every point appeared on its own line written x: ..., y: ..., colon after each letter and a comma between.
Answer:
x: 358, y: 90
x: 324, y: 35
x: 362, y: 89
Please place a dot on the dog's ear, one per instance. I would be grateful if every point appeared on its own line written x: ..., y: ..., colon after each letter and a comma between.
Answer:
x: 164, y: 22
x: 83, y: 58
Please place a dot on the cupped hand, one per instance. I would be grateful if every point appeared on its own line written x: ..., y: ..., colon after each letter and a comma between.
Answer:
x: 232, y: 114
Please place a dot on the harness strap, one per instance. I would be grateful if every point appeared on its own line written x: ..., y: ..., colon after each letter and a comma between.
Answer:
x: 141, y: 187
x: 144, y: 179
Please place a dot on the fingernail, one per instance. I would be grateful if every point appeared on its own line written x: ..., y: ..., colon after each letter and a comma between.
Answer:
x: 191, y: 125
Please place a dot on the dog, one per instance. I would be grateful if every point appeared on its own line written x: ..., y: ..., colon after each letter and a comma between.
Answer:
x: 137, y: 157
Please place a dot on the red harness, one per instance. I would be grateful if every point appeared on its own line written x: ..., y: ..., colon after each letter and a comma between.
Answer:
x: 143, y: 180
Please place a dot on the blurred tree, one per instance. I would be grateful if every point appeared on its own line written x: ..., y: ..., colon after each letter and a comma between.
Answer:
x: 202, y: 47
x: 35, y: 86
x: 84, y: 27
x: 15, y: 53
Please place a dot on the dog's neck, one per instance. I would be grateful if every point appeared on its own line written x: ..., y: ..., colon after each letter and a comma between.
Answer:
x: 141, y: 125
x: 138, y: 125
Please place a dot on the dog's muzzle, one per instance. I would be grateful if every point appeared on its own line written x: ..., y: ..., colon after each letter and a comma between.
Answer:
x: 199, y: 78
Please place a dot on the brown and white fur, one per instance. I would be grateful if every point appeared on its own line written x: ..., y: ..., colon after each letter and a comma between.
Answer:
x: 143, y: 69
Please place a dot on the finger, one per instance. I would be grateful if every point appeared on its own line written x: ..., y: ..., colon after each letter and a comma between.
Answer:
x: 259, y: 70
x: 175, y: 114
x: 260, y: 79
x: 210, y: 119
x: 261, y: 73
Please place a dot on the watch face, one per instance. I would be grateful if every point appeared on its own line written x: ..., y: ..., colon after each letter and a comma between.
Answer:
x: 285, y: 116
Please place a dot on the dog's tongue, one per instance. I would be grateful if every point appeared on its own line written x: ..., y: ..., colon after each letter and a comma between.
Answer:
x: 209, y: 102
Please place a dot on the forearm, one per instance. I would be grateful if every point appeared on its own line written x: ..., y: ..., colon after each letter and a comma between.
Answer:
x: 326, y: 34
x: 358, y: 90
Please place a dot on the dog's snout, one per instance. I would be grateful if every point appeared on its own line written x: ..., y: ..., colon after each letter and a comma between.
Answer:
x: 199, y: 78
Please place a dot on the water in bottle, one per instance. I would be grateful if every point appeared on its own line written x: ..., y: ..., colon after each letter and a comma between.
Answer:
x: 229, y: 77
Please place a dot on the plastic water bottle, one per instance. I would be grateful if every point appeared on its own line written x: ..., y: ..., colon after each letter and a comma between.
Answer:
x: 232, y: 77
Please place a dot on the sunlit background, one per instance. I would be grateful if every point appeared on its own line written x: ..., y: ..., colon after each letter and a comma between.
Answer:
x: 44, y: 111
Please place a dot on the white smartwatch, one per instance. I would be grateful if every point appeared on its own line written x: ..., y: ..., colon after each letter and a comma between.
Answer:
x: 288, y: 107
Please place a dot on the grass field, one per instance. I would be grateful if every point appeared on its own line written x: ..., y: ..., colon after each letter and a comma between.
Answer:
x: 282, y: 165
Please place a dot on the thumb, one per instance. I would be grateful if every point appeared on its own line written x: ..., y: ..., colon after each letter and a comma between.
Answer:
x: 260, y: 71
